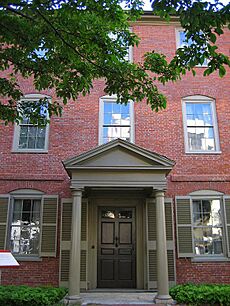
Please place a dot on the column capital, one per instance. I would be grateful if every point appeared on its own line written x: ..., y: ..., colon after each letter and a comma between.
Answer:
x: 77, y: 192
x: 159, y: 193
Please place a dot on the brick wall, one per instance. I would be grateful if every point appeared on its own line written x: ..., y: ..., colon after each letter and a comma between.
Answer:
x: 77, y: 131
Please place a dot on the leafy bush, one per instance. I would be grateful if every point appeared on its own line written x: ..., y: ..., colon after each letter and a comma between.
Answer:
x: 29, y: 296
x: 201, y: 294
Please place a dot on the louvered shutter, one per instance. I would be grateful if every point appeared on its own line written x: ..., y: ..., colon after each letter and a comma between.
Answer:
x: 84, y: 243
x: 49, y: 226
x: 184, y: 227
x: 4, y: 209
x: 227, y: 221
x: 170, y: 241
x: 151, y: 242
x: 66, y: 221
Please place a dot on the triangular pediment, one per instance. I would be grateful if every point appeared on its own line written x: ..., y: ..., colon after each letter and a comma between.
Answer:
x: 119, y: 154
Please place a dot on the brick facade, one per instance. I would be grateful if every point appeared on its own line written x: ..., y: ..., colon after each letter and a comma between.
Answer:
x: 77, y: 131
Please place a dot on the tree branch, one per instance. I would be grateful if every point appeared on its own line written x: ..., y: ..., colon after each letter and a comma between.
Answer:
x: 57, y: 32
x: 8, y: 8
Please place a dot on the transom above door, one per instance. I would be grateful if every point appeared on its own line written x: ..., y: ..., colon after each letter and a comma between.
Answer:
x: 116, y: 248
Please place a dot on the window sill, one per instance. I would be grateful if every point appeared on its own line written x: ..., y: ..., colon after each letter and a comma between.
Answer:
x: 210, y: 259
x: 204, y: 152
x: 24, y: 258
x: 30, y: 151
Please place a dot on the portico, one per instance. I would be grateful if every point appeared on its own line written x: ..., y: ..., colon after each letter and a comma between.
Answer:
x: 124, y: 226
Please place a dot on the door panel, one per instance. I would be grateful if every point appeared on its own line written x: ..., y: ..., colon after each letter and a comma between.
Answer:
x: 107, y: 233
x: 116, y: 248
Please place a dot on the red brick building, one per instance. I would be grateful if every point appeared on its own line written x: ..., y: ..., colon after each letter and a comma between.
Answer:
x: 115, y: 191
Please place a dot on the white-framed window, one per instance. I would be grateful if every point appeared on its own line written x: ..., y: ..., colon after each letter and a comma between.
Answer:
x: 203, y: 225
x: 182, y: 42
x: 25, y: 226
x: 200, y: 125
x: 30, y: 137
x: 115, y: 120
x: 129, y: 49
x: 207, y: 226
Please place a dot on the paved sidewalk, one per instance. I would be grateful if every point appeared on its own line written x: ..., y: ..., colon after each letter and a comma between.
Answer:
x: 136, y: 298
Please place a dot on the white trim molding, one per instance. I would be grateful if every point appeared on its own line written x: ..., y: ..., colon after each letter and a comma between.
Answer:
x: 199, y: 99
x: 113, y: 99
x: 17, y: 129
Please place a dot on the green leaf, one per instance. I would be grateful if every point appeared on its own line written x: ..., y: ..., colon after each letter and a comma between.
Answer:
x: 222, y: 71
x: 212, y: 37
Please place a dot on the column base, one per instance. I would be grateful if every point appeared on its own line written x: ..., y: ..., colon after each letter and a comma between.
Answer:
x: 72, y: 300
x: 164, y: 299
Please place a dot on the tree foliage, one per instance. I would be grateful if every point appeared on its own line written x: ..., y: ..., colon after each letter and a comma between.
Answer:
x: 67, y: 44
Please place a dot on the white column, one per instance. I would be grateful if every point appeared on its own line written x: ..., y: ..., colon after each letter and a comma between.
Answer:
x: 75, y: 252
x: 162, y: 260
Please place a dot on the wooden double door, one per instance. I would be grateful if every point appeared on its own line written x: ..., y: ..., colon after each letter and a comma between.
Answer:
x: 116, y: 248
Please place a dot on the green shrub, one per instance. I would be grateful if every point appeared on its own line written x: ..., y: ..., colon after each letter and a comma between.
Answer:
x: 29, y: 296
x: 201, y: 294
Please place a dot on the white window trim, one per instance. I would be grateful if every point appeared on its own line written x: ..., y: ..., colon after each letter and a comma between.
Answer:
x: 130, y: 50
x: 17, y: 127
x: 215, y: 257
x: 24, y: 194
x: 201, y: 99
x: 101, y: 117
x: 178, y: 30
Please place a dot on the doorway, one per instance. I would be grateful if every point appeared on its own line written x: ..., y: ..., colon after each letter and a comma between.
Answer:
x: 116, y: 258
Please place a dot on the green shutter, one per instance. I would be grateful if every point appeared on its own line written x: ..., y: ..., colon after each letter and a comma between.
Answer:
x: 84, y: 243
x: 4, y: 209
x: 65, y: 244
x: 184, y: 227
x: 151, y: 221
x: 169, y: 220
x: 66, y: 221
x: 152, y: 266
x: 49, y: 226
x: 151, y: 242
x: 227, y: 218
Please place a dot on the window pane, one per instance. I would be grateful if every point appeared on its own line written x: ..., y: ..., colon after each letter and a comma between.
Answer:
x: 40, y: 141
x: 107, y: 107
x: 108, y: 214
x: 17, y: 212
x: 125, y: 108
x: 116, y: 108
x: 34, y: 240
x: 125, y: 119
x: 207, y: 228
x: 32, y: 137
x: 23, y: 137
x: 200, y: 127
x: 216, y: 213
x: 116, y: 121
x: 125, y: 214
x: 107, y: 118
x: 201, y: 139
x: 125, y: 133
x: 25, y: 230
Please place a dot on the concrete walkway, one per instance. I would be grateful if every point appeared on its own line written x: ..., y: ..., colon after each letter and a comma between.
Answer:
x: 135, y: 298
